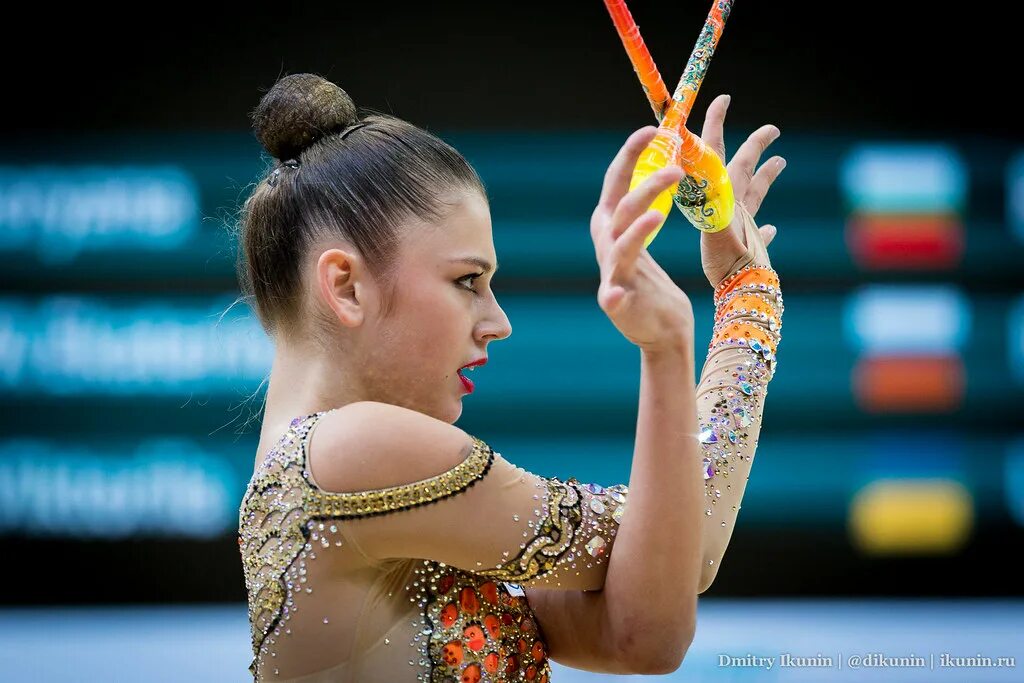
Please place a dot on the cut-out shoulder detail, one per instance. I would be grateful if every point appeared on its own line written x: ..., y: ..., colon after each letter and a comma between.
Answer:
x: 372, y: 446
x: 404, y: 496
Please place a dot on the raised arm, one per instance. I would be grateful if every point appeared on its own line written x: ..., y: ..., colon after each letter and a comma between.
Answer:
x: 729, y: 420
x: 644, y: 619
x: 732, y: 391
x: 748, y: 328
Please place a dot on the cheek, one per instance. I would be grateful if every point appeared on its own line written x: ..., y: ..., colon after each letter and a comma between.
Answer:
x: 425, y: 337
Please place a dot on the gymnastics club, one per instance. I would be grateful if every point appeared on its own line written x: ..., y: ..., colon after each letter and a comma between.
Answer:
x: 704, y: 195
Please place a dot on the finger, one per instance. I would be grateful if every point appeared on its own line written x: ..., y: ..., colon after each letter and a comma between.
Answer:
x: 741, y: 167
x: 628, y: 247
x: 641, y: 197
x: 763, y: 179
x: 620, y: 171
x: 768, y: 233
x: 713, y: 132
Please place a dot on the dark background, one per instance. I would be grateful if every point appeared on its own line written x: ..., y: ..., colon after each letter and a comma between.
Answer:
x: 906, y: 68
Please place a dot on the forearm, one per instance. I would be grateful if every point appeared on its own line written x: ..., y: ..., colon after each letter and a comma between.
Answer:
x: 730, y: 403
x: 650, y: 589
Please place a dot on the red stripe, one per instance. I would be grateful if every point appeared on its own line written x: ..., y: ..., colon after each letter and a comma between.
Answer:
x: 886, y: 242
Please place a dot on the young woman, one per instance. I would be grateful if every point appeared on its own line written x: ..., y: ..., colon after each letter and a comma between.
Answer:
x: 383, y: 544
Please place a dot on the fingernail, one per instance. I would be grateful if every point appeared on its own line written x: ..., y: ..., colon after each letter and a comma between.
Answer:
x: 728, y: 99
x: 782, y: 164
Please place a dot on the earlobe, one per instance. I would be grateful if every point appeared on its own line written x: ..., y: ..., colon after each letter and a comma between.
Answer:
x: 337, y: 275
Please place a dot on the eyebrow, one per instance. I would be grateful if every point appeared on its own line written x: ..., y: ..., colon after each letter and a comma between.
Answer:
x: 486, y: 265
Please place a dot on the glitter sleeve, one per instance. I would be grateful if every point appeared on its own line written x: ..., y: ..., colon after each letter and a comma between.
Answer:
x: 507, y: 524
x: 733, y: 386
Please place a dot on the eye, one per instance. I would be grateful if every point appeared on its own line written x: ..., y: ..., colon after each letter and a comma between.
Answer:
x: 470, y: 277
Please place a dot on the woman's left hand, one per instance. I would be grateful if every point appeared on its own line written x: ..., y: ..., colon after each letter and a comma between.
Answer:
x: 742, y: 243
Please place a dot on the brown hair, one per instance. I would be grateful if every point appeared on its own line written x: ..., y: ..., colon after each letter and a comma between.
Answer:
x: 335, y: 174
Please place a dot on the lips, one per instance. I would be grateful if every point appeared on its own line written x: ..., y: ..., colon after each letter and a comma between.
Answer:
x: 466, y: 381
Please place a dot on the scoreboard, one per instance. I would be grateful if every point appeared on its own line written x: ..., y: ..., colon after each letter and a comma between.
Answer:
x: 132, y: 371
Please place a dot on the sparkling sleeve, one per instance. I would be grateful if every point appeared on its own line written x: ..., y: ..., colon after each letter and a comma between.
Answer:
x: 497, y: 520
x: 733, y: 386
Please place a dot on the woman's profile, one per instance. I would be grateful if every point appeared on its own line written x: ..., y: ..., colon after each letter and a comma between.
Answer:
x: 381, y: 543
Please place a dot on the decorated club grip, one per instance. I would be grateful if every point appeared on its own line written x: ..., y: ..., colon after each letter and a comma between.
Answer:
x: 705, y: 194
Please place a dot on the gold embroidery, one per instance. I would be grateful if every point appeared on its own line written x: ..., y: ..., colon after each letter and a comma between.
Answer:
x: 578, y: 526
x: 282, y: 504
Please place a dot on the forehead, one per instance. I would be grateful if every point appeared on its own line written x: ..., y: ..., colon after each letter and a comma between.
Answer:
x: 464, y: 231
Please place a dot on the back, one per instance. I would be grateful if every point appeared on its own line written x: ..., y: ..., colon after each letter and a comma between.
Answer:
x: 418, y: 577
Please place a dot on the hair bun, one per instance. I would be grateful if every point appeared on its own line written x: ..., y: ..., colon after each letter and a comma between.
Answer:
x: 297, y: 111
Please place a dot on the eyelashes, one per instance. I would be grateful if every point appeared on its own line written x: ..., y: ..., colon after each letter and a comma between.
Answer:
x: 471, y: 277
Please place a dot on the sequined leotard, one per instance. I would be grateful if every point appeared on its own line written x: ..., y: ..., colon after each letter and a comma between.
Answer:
x: 328, y: 604
x: 311, y: 569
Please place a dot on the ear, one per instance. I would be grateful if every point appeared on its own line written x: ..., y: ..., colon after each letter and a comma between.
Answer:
x: 341, y: 280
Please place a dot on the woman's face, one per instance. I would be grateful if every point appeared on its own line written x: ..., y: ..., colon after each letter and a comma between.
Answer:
x: 438, y: 323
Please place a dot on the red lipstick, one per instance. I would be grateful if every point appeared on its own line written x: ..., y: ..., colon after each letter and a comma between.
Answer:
x: 466, y: 381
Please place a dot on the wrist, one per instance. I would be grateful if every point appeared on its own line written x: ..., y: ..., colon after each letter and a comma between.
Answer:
x: 751, y: 277
x: 671, y: 349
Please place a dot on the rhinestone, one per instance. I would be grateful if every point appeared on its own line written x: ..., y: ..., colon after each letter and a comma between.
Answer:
x: 595, y: 488
x: 617, y: 515
x: 743, y: 416
x: 596, y: 546
x: 708, y: 436
x: 597, y: 506
x: 708, y: 470
x: 617, y: 496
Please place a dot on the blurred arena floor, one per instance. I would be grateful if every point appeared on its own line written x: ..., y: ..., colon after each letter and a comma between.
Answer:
x: 737, y: 640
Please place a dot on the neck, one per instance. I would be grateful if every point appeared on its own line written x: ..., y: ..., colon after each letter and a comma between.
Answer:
x: 304, y: 381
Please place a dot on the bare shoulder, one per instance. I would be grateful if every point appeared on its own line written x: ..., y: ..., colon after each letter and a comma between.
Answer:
x: 370, y: 445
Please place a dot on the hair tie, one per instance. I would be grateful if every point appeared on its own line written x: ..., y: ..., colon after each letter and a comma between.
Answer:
x: 273, y: 178
x: 352, y: 129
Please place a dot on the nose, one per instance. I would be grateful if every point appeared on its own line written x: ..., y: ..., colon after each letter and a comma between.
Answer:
x: 495, y: 326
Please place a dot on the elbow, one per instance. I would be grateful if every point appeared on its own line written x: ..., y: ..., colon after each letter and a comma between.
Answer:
x: 709, y: 570
x: 706, y: 580
x: 661, y: 657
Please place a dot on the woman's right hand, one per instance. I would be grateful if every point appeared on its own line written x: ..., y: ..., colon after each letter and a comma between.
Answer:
x: 636, y: 294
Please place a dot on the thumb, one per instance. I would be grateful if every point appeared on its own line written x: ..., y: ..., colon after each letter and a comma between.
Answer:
x: 767, y: 233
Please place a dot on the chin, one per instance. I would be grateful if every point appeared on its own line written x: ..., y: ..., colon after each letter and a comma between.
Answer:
x: 457, y: 413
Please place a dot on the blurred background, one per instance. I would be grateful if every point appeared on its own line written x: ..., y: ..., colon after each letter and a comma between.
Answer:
x: 886, y: 502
